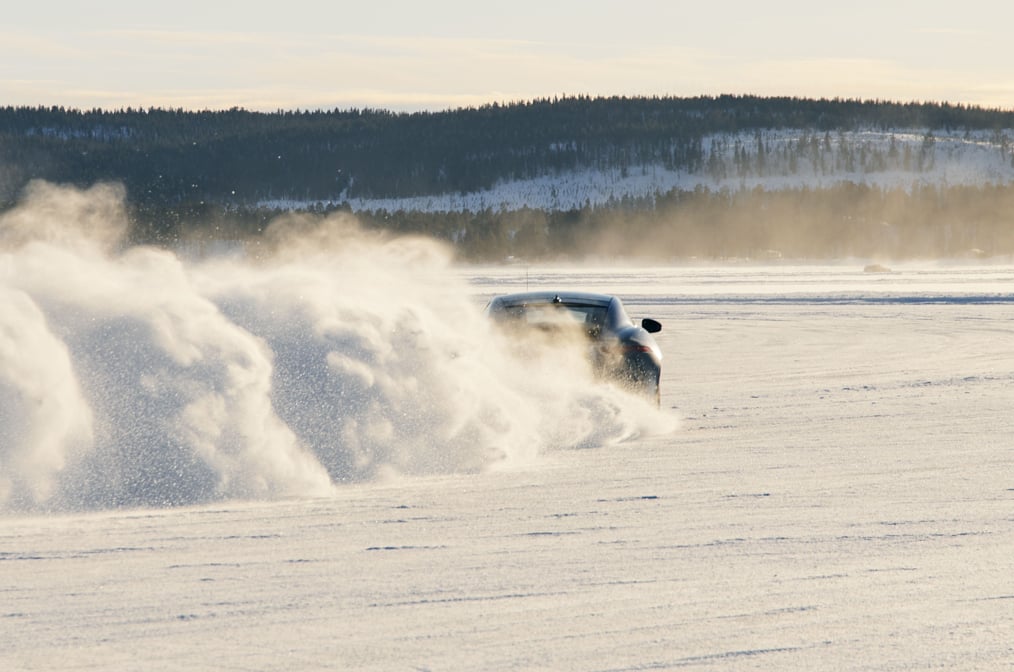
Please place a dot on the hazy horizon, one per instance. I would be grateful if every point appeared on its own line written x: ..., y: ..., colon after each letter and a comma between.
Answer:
x: 410, y: 57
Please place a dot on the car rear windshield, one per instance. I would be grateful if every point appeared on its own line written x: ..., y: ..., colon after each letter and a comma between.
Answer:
x: 556, y: 314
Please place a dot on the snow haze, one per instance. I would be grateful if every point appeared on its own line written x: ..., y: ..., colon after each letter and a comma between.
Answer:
x: 315, y: 457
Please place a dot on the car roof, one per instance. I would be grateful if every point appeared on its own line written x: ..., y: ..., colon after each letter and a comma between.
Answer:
x: 552, y: 296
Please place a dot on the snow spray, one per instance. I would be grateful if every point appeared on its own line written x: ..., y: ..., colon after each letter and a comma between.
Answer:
x: 323, y: 354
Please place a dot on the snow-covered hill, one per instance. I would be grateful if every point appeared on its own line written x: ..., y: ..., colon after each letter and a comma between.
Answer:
x: 772, y: 160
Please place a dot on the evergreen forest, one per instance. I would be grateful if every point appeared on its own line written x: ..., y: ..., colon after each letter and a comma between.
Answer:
x: 211, y: 172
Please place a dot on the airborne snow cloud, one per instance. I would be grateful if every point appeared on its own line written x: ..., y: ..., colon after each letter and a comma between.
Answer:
x: 130, y: 376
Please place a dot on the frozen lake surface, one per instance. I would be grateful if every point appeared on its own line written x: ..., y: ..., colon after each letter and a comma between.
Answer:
x: 830, y: 487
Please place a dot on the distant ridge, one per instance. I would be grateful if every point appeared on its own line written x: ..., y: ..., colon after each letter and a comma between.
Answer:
x: 240, y: 157
x: 770, y: 160
x: 719, y: 176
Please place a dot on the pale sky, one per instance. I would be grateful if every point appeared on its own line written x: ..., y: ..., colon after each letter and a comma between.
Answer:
x: 440, y: 54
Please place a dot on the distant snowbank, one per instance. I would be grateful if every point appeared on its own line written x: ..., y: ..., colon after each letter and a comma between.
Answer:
x: 773, y: 160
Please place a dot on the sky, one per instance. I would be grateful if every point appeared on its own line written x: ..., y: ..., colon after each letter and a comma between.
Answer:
x: 443, y: 54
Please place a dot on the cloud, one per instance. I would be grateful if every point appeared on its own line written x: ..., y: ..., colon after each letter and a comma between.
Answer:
x: 42, y: 46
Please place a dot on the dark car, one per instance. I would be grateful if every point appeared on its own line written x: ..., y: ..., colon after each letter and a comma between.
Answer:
x: 618, y: 348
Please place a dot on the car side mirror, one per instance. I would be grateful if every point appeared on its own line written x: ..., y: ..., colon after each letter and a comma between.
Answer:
x: 651, y: 326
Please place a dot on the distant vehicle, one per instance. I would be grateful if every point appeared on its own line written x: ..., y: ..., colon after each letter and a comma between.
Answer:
x: 617, y: 348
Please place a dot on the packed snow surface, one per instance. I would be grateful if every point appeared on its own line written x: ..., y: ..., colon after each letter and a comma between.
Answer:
x: 283, y: 464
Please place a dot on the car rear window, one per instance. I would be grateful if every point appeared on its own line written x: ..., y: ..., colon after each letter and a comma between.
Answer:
x: 556, y: 314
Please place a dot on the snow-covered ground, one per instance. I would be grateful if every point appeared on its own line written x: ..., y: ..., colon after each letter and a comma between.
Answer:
x: 771, y: 159
x: 827, y: 486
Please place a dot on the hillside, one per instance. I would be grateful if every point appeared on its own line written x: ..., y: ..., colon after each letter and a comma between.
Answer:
x: 767, y: 159
x: 245, y: 157
x: 670, y: 177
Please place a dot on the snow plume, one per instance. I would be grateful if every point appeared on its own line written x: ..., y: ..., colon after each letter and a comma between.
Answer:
x: 93, y: 218
x: 177, y: 395
x: 384, y: 362
x: 43, y: 416
x: 129, y: 377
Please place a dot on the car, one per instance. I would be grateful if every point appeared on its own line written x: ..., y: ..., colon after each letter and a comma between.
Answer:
x: 617, y: 348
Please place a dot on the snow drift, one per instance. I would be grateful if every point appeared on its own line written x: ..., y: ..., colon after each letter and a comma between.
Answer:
x: 130, y: 376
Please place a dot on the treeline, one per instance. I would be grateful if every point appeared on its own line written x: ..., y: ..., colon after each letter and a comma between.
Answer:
x: 847, y: 220
x: 200, y: 174
x: 171, y: 157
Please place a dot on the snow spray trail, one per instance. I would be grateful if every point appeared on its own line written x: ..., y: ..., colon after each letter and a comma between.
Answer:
x: 130, y: 377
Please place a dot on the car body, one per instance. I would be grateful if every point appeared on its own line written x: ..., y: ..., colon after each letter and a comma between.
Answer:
x: 617, y: 348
